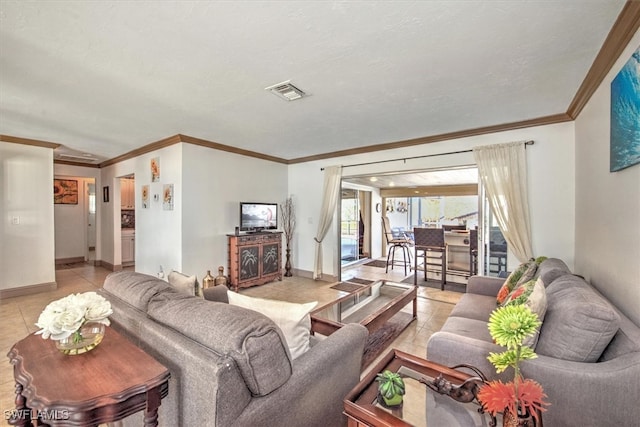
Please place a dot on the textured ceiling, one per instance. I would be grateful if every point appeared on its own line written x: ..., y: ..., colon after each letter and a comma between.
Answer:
x: 108, y: 77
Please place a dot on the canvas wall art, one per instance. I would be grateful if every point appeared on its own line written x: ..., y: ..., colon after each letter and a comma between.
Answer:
x: 145, y: 197
x: 167, y: 198
x: 625, y: 116
x: 65, y: 192
x: 155, y: 169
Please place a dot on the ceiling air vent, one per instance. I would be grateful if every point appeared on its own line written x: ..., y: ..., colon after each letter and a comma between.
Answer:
x: 286, y: 91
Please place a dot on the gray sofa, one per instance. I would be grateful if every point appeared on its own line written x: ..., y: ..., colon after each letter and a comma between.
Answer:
x: 588, y: 352
x: 231, y: 366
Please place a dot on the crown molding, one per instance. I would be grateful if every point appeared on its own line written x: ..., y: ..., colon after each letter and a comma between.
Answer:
x: 26, y: 141
x: 620, y: 35
x: 540, y: 121
x: 230, y: 149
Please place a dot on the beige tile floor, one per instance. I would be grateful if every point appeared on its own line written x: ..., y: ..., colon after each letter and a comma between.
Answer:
x: 18, y: 315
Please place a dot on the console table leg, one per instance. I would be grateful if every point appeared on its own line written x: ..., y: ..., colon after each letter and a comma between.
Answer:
x: 22, y: 415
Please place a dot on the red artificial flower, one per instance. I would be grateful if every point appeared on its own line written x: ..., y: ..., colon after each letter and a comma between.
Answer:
x: 497, y: 396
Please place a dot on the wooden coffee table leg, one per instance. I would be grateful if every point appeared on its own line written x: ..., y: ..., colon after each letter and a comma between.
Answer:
x: 22, y: 416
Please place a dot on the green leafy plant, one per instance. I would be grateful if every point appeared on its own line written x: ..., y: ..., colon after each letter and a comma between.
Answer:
x: 509, y: 326
x: 391, y: 387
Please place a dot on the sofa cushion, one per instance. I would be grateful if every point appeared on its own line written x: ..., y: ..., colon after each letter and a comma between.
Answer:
x: 550, y: 269
x: 474, y: 306
x: 293, y: 319
x: 183, y: 283
x: 135, y: 288
x: 579, y: 323
x: 470, y: 328
x: 525, y: 272
x: 250, y: 338
x: 532, y: 294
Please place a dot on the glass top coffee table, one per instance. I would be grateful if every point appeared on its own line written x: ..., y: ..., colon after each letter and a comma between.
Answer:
x: 372, y: 305
x: 424, y: 405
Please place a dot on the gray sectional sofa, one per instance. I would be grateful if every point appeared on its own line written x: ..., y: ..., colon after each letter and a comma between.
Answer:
x: 588, y: 352
x: 231, y: 366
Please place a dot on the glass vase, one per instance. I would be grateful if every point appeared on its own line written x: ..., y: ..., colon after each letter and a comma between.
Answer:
x: 83, y: 340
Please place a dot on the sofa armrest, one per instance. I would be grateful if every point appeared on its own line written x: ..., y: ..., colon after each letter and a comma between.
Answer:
x: 588, y: 393
x: 484, y: 285
x: 321, y: 379
x: 216, y: 294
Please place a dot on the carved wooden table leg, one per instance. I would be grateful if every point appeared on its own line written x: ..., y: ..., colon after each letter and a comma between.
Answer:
x: 153, y: 403
x: 22, y: 415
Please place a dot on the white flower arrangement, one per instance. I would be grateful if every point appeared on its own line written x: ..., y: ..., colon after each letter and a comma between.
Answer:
x: 64, y: 317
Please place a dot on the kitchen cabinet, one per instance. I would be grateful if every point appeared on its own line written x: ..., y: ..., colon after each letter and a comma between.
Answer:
x: 127, y: 193
x: 128, y: 248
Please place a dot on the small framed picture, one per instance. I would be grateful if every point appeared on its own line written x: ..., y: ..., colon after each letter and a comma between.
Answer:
x: 105, y: 194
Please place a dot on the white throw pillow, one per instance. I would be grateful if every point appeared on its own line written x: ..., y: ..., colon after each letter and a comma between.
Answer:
x: 183, y: 283
x: 293, y: 319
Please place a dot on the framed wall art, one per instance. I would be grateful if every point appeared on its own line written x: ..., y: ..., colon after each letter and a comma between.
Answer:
x: 105, y: 194
x: 145, y: 197
x: 155, y: 169
x: 65, y: 192
x: 624, y: 149
x: 167, y: 197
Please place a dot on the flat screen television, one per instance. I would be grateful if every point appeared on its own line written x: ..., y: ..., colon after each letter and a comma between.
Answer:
x: 258, y: 216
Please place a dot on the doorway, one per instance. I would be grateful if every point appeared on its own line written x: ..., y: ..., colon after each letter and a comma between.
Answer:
x: 437, y: 198
x: 354, y: 228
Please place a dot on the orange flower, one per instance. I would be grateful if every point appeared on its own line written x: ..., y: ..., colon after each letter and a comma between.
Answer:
x: 497, y: 396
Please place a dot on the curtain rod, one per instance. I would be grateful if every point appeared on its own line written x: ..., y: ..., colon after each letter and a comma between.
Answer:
x: 417, y: 157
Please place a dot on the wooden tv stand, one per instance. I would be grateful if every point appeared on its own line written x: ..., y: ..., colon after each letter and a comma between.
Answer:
x: 254, y: 259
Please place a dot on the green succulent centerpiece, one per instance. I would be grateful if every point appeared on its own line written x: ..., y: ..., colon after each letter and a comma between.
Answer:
x: 390, y: 387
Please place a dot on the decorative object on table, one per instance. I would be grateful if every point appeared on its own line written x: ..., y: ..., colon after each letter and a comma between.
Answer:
x: 520, y: 400
x: 76, y: 322
x: 390, y: 388
x: 145, y: 197
x: 465, y: 392
x: 288, y: 216
x: 625, y: 116
x: 155, y: 169
x: 208, y: 280
x: 65, y: 192
x: 221, y: 279
x: 167, y: 197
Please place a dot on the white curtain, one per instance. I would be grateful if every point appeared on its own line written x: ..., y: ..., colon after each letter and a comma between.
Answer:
x: 330, y: 194
x: 503, y: 171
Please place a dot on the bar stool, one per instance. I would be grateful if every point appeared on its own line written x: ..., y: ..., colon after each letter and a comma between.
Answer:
x: 430, y: 246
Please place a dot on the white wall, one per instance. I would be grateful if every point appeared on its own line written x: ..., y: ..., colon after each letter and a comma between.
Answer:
x: 215, y: 182
x: 607, y: 204
x: 158, y: 231
x: 26, y: 194
x: 550, y: 165
x: 208, y: 186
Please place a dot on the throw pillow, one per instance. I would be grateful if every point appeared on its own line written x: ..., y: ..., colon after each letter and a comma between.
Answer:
x: 293, y: 319
x: 533, y: 295
x: 522, y: 274
x: 183, y: 283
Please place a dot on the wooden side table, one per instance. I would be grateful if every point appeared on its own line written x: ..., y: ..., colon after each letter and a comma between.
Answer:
x: 109, y: 383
